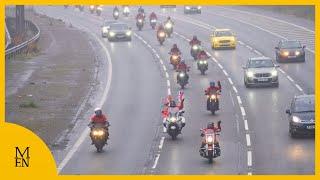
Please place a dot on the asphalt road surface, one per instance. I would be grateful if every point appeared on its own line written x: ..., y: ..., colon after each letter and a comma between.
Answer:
x: 254, y: 137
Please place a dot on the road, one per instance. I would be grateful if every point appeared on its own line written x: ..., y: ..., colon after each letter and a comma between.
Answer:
x: 254, y: 139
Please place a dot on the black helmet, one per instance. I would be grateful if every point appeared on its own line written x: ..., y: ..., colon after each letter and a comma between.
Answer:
x: 194, y: 37
x: 212, y: 84
x: 175, y: 46
x: 210, y: 125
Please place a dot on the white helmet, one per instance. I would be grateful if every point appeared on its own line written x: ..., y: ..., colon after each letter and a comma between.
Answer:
x: 98, y: 111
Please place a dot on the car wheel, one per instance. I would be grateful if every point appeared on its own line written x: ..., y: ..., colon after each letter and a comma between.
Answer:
x: 276, y: 85
x: 246, y: 84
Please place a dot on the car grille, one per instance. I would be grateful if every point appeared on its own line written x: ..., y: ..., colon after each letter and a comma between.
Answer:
x: 224, y: 41
x: 262, y: 75
x: 292, y: 53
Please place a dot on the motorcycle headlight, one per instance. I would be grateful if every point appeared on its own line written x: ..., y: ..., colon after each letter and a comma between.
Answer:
x: 173, y: 119
x: 199, y: 7
x: 194, y: 47
x: 126, y: 9
x: 116, y: 13
x: 181, y: 74
x: 112, y: 33
x: 210, y: 139
x: 285, y: 53
x: 105, y: 29
x: 213, y: 96
x: 92, y: 7
x: 187, y: 7
x: 200, y: 62
x: 297, y: 53
x: 168, y: 25
x: 99, y: 8
x: 140, y: 20
x: 128, y: 33
x: 174, y: 57
x: 205, y: 62
x: 250, y: 74
x: 161, y: 34
x: 274, y: 73
x: 153, y: 20
x: 296, y: 119
x: 98, y: 133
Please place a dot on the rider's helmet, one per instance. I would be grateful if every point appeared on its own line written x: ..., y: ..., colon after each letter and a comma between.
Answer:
x: 212, y: 84
x: 210, y: 125
x: 182, y: 61
x: 194, y: 37
x: 98, y: 111
x: 175, y: 46
x: 168, y: 18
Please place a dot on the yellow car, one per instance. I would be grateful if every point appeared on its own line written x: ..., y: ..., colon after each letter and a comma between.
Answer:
x: 223, y: 38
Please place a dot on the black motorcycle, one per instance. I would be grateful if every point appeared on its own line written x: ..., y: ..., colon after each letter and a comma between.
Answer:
x: 174, y: 123
x: 99, y: 135
x: 182, y: 79
x: 211, y: 150
x: 195, y: 49
x: 202, y: 65
x: 213, y: 102
x: 140, y: 23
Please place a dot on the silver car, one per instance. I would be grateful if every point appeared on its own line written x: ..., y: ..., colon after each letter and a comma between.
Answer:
x: 119, y: 31
x: 260, y: 71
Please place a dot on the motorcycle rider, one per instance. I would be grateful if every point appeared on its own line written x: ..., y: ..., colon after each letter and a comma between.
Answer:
x: 170, y: 103
x: 175, y: 49
x: 153, y: 16
x: 140, y: 16
x: 141, y: 10
x: 169, y: 20
x: 99, y: 118
x: 115, y: 9
x: 211, y: 129
x: 202, y: 55
x: 213, y: 89
x: 194, y: 41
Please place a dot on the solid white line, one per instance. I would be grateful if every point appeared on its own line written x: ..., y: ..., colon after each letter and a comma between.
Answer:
x: 246, y: 125
x: 257, y: 52
x: 243, y: 112
x: 167, y: 75
x: 161, y: 61
x: 214, y: 60
x: 168, y: 83
x: 85, y: 133
x: 249, y: 158
x: 230, y: 81
x: 240, y: 42
x: 169, y: 91
x: 290, y: 78
x: 158, y: 56
x: 164, y: 67
x: 164, y: 129
x: 239, y: 100
x: 156, y: 161
x: 299, y: 88
x: 225, y: 72
x: 221, y: 67
x: 249, y: 47
x: 161, y: 142
x: 235, y: 89
x: 281, y: 71
x: 248, y: 139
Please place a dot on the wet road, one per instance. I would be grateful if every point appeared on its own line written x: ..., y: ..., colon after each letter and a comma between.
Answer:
x: 255, y: 129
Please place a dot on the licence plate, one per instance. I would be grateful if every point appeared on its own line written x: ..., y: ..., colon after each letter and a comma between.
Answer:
x: 291, y: 56
x: 263, y: 79
x: 310, y: 127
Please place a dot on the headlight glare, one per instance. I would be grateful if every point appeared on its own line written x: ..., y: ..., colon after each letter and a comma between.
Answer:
x: 296, y: 119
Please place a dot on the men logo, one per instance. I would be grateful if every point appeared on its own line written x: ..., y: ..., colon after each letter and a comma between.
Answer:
x: 22, y: 159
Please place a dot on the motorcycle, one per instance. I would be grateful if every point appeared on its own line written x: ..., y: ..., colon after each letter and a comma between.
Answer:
x: 211, y: 150
x: 161, y: 35
x: 140, y: 23
x: 202, y: 65
x: 66, y: 6
x: 182, y: 79
x: 99, y: 10
x: 195, y: 49
x: 212, y: 102
x: 115, y: 14
x: 153, y: 23
x: 126, y: 11
x: 92, y: 9
x: 174, y: 122
x: 168, y: 28
x: 99, y: 135
x: 175, y: 60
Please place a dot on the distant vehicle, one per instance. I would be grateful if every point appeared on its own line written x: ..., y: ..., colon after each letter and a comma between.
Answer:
x: 192, y: 9
x: 105, y: 27
x: 260, y: 71
x: 289, y: 51
x: 223, y: 38
x: 301, y: 115
x: 92, y: 8
x: 168, y: 8
x: 119, y: 31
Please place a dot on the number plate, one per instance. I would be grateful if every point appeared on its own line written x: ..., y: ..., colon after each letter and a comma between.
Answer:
x: 291, y: 56
x: 310, y: 127
x: 263, y: 79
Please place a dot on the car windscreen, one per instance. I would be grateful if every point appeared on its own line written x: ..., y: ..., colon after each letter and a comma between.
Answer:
x: 223, y: 33
x: 291, y: 44
x: 260, y: 63
x: 107, y: 23
x: 118, y: 27
x: 304, y: 105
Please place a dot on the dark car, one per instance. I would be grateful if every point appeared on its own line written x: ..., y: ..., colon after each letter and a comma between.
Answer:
x: 290, y: 51
x: 192, y: 9
x: 119, y: 31
x: 301, y: 115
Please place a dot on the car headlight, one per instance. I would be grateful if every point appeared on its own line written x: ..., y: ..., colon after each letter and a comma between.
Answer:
x: 199, y: 7
x: 112, y: 33
x: 274, y: 73
x: 105, y: 29
x: 285, y: 53
x: 297, y: 53
x: 128, y: 33
x: 250, y: 74
x: 296, y: 119
x: 215, y: 40
x: 210, y: 139
x: 181, y: 74
x: 187, y: 7
x: 168, y: 25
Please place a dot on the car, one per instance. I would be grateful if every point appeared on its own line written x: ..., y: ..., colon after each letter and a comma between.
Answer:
x: 290, y: 51
x: 223, y: 38
x: 119, y: 31
x: 105, y: 27
x: 260, y: 71
x: 301, y: 115
x: 192, y: 9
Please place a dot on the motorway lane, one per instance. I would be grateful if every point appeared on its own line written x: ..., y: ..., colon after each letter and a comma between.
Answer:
x: 265, y: 42
x: 279, y: 159
x: 136, y: 86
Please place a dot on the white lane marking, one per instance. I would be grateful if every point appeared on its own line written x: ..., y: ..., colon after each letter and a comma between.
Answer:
x: 164, y: 129
x: 225, y: 72
x: 299, y: 88
x: 85, y: 133
x: 243, y: 112
x: 156, y: 161
x: 160, y: 60
x: 169, y: 91
x: 168, y: 83
x: 158, y: 56
x: 240, y: 42
x: 249, y: 156
x: 290, y: 78
x: 214, y: 60
x: 257, y: 52
x: 164, y: 67
x: 246, y: 127
x: 161, y: 142
x: 230, y: 81
x: 167, y: 75
x: 281, y: 71
x: 235, y: 89
x: 239, y: 100
x: 248, y: 140
x: 221, y: 67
